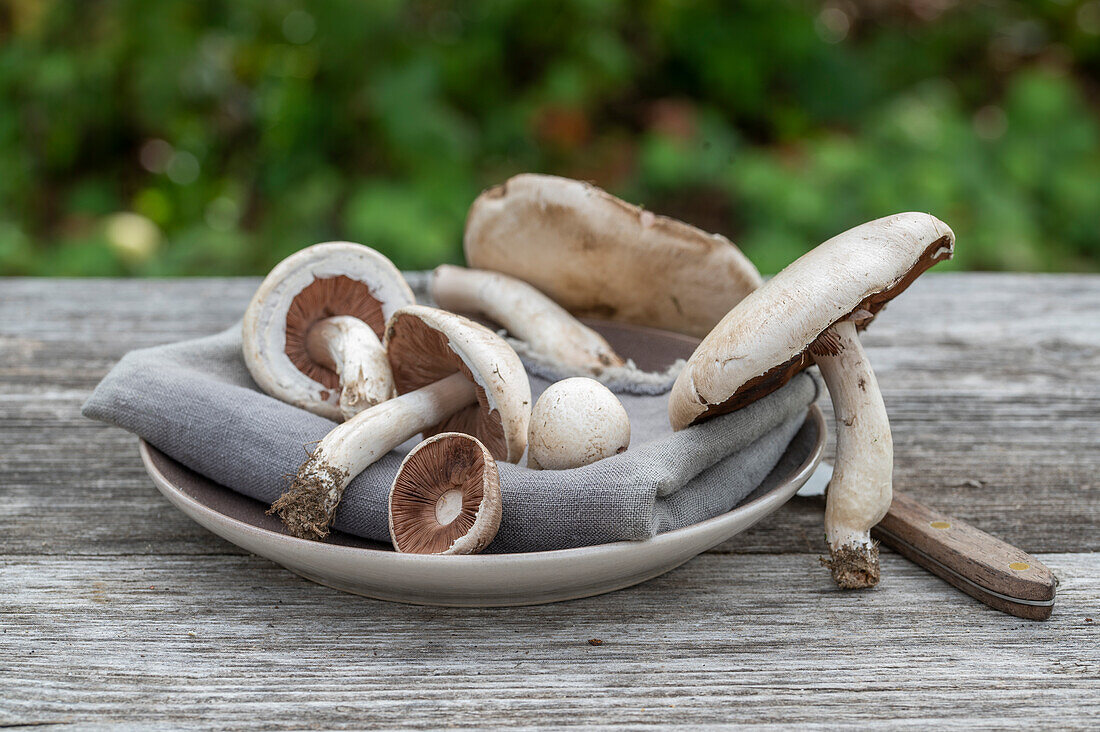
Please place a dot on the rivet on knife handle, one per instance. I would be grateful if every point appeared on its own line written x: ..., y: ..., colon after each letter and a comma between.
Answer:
x: 983, y: 566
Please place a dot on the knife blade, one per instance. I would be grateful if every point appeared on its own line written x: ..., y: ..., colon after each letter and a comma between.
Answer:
x: 984, y: 567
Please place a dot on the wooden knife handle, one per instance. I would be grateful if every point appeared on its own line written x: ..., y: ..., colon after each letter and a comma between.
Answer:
x: 982, y: 566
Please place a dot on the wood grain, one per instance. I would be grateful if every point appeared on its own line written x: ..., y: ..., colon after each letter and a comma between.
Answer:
x: 992, y: 383
x: 233, y: 641
x: 999, y: 574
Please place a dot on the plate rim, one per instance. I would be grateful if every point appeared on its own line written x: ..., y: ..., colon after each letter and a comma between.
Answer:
x: 790, y: 486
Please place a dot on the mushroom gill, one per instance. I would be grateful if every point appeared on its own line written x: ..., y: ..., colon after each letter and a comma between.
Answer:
x: 438, y: 494
x: 421, y: 355
x: 324, y: 298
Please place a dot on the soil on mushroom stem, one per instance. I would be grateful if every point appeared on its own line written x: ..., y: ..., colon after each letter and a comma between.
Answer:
x: 853, y: 568
x: 308, y: 507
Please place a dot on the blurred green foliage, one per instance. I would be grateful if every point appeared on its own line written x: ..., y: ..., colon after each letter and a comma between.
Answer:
x: 201, y: 137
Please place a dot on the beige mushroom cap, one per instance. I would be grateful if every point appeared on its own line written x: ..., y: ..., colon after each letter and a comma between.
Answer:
x: 576, y: 422
x: 425, y: 345
x: 324, y: 280
x: 445, y: 498
x: 599, y: 256
x: 764, y: 341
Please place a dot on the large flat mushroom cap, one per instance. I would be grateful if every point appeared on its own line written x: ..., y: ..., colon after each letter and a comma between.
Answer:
x: 426, y: 345
x: 320, y: 281
x: 763, y: 342
x: 599, y: 256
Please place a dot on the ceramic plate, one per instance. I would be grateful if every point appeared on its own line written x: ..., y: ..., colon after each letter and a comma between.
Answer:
x: 363, y: 567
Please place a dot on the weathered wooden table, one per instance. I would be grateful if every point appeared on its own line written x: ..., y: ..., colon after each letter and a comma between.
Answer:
x: 114, y: 608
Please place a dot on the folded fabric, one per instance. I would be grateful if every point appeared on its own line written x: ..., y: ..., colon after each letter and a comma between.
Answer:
x: 196, y: 402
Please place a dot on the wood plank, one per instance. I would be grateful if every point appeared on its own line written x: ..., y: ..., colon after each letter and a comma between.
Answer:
x: 117, y: 609
x: 235, y: 641
x: 992, y: 383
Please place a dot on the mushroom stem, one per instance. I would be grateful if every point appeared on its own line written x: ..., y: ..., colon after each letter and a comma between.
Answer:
x: 309, y: 506
x: 351, y: 348
x: 860, y: 491
x: 526, y: 313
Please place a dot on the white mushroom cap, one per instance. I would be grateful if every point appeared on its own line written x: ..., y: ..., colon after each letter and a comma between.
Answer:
x: 599, y: 256
x: 321, y: 281
x: 764, y: 340
x: 445, y: 498
x: 425, y: 345
x: 576, y: 422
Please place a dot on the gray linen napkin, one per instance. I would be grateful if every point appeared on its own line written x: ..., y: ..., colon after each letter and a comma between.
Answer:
x: 196, y: 402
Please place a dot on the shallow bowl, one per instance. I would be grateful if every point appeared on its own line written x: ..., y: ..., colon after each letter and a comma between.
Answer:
x: 357, y: 565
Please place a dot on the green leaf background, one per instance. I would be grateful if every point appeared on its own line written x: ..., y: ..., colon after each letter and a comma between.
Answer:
x: 239, y: 132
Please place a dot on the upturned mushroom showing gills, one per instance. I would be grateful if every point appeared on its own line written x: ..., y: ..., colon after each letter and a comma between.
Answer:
x: 574, y: 423
x: 451, y: 375
x: 810, y: 312
x: 599, y: 256
x: 546, y: 327
x: 311, y: 335
x: 446, y: 497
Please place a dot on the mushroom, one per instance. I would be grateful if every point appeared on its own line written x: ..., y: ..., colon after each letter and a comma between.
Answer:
x: 446, y: 497
x: 599, y: 256
x: 526, y: 313
x: 311, y: 333
x: 451, y: 375
x: 810, y: 312
x: 576, y: 422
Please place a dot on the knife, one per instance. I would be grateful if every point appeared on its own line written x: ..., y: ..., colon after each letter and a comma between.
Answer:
x: 981, y: 565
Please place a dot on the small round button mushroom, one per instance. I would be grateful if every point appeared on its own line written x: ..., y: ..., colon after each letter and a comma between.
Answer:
x: 597, y: 255
x: 446, y: 497
x: 809, y: 313
x: 451, y: 375
x: 576, y: 422
x: 527, y: 314
x: 311, y: 335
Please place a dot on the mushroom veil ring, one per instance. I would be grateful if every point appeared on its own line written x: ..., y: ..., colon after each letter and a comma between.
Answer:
x: 811, y: 313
